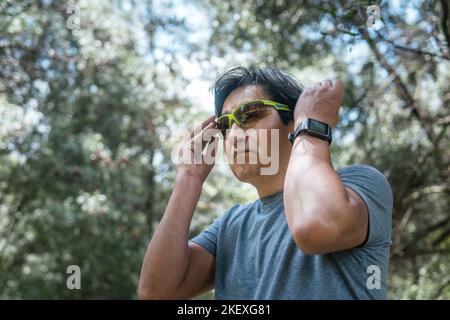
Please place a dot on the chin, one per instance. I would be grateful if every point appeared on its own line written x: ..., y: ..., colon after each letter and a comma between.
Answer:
x: 245, y: 172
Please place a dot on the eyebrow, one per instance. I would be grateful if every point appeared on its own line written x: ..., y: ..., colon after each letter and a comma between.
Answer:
x: 229, y: 112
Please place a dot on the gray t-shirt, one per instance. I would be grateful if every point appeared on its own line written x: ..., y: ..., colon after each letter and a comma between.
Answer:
x: 256, y: 257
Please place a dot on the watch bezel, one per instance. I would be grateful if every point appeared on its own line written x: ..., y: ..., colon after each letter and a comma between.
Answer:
x: 306, y: 126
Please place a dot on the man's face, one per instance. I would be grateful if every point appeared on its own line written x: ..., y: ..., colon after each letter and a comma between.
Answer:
x: 260, y: 145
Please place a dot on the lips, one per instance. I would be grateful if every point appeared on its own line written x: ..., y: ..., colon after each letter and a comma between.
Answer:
x: 236, y: 152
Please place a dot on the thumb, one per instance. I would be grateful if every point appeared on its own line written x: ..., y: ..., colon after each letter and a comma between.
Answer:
x: 211, y: 149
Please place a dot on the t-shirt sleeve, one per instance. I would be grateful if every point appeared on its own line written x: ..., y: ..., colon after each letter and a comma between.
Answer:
x: 208, y: 237
x: 373, y: 187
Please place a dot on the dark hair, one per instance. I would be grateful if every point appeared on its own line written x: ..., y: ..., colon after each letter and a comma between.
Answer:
x: 281, y: 86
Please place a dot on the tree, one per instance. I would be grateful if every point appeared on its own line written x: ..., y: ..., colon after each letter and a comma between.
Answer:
x: 81, y: 109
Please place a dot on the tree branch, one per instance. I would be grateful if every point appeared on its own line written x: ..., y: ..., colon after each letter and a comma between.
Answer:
x: 417, y: 51
x: 442, y: 237
x: 403, y: 90
x: 416, y: 253
x: 444, y: 21
x: 440, y: 289
x: 405, y: 250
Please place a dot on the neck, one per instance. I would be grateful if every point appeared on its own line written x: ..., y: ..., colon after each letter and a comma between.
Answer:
x: 267, y: 185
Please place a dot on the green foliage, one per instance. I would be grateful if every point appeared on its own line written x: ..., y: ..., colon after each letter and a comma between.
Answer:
x: 77, y: 174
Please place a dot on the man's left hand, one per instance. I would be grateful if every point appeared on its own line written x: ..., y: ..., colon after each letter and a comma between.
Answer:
x: 320, y: 102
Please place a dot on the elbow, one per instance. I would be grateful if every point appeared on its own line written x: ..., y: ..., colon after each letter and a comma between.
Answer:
x: 145, y: 293
x: 149, y: 292
x: 314, y: 236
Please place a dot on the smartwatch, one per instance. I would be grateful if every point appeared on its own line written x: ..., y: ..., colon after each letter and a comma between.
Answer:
x: 314, y: 128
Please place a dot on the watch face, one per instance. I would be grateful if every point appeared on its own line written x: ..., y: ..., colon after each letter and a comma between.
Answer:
x: 318, y: 126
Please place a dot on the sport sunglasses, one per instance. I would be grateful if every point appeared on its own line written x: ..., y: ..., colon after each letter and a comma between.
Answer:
x: 248, y: 112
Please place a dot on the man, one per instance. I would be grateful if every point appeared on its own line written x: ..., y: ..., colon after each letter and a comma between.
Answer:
x: 314, y: 232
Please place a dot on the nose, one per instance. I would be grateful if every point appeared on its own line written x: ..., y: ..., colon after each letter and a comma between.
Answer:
x: 235, y: 132
x: 236, y: 135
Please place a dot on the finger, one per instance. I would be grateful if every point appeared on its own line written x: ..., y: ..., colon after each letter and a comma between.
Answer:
x: 338, y: 84
x: 210, y: 153
x: 214, y: 143
x: 198, y: 139
x: 327, y: 83
x: 210, y: 134
x: 197, y: 129
x: 309, y: 89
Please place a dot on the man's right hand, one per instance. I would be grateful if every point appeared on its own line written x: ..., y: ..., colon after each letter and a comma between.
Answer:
x: 173, y: 268
x: 192, y: 162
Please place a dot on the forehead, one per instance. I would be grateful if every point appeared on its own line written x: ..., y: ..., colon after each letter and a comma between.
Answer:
x: 242, y: 94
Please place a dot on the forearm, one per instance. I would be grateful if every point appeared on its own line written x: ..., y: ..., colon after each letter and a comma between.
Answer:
x: 167, y: 256
x: 315, y: 198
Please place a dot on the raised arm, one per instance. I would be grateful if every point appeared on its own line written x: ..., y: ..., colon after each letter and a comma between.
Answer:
x: 173, y: 268
x: 322, y: 214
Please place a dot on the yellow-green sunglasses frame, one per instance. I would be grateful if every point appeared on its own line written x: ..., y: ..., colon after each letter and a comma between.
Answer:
x: 232, y: 116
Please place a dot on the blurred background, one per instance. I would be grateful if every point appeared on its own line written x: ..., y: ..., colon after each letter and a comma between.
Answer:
x: 92, y: 93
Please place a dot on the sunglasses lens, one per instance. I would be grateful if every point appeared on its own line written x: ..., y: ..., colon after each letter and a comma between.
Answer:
x: 252, y: 111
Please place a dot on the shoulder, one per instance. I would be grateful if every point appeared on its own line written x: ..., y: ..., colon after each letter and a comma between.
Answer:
x: 363, y: 169
x: 374, y: 189
x: 367, y: 177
